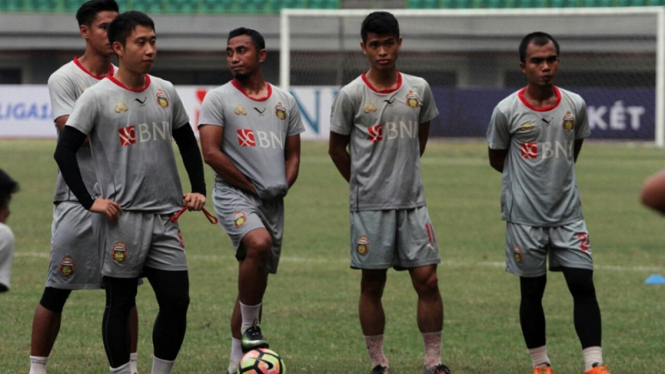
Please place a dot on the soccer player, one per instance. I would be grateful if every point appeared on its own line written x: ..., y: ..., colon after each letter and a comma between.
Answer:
x: 383, y: 117
x: 250, y: 135
x: 653, y: 192
x: 131, y: 120
x: 8, y: 186
x: 535, y: 136
x: 74, y: 263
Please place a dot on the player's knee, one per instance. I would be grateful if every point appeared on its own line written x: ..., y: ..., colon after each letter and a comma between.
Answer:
x: 258, y: 248
x: 373, y: 283
x: 427, y: 285
x: 580, y: 284
x: 533, y: 288
x: 54, y: 299
x: 175, y: 303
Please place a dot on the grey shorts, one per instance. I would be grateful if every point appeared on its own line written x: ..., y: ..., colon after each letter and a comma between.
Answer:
x: 240, y: 212
x: 527, y: 248
x: 402, y: 239
x: 139, y: 240
x: 74, y: 263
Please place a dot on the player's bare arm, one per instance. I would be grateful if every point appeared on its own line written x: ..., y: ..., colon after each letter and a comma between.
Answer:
x: 497, y: 158
x: 653, y: 192
x: 337, y: 149
x: 292, y: 159
x: 578, y: 147
x: 69, y: 143
x: 423, y: 135
x: 211, y: 142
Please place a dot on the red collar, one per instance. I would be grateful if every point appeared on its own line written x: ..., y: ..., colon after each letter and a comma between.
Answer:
x: 78, y: 63
x: 239, y: 87
x: 399, y: 84
x: 520, y: 94
x: 147, y: 83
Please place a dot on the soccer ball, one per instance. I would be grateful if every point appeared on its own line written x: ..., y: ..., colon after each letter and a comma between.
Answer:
x: 261, y: 361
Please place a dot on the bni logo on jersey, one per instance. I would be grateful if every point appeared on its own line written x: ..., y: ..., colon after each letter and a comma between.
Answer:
x: 127, y: 135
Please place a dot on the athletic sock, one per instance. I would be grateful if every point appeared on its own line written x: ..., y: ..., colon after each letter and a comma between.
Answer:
x: 123, y: 369
x: 432, y: 341
x: 236, y: 355
x: 539, y: 356
x: 250, y: 315
x: 133, y: 362
x: 38, y: 365
x: 160, y: 366
x: 375, y: 350
x: 592, y: 355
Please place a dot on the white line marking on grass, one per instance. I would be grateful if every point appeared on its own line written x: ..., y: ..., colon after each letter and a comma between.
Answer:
x: 311, y: 260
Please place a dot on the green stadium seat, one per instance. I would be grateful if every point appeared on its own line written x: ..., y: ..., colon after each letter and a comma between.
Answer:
x: 657, y: 2
x: 423, y: 4
x: 462, y: 4
x: 217, y: 6
x: 323, y: 4
x: 11, y: 5
x: 530, y: 3
x: 277, y: 5
x: 41, y: 5
x: 148, y: 6
x: 563, y: 3
x: 639, y: 3
x: 182, y: 6
x: 254, y: 6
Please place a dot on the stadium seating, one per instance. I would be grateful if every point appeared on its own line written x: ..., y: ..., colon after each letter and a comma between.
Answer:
x: 274, y: 6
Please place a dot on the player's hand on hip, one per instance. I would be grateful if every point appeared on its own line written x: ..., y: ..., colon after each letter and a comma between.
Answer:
x: 194, y: 201
x: 109, y: 208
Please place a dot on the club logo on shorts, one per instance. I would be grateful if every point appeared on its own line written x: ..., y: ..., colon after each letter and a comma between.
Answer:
x: 517, y: 253
x: 239, y: 110
x: 239, y: 218
x: 280, y: 111
x: 529, y: 150
x: 412, y: 99
x: 67, y: 266
x: 127, y: 136
x: 370, y: 108
x: 162, y: 100
x: 568, y: 121
x: 119, y: 252
x: 120, y: 107
x: 375, y: 133
x: 363, y: 245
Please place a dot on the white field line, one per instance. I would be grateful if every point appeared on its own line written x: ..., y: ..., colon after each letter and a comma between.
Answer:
x: 448, y: 263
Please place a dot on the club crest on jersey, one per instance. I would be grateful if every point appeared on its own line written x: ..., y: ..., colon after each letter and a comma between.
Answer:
x: 120, y: 107
x: 119, y: 252
x: 162, y: 100
x: 370, y: 108
x: 568, y: 121
x: 67, y: 266
x: 239, y: 110
x: 517, y: 253
x: 527, y: 126
x: 280, y: 111
x: 363, y: 245
x: 412, y: 99
x: 239, y: 218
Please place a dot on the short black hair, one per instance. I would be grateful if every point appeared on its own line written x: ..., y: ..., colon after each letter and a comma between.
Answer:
x: 8, y: 186
x: 538, y: 38
x: 87, y: 13
x: 381, y: 23
x: 256, y: 36
x: 124, y: 24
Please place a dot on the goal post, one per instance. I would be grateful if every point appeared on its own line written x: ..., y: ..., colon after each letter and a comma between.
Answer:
x: 613, y: 57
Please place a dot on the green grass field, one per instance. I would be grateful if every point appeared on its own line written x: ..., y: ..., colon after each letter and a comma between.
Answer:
x: 310, y: 313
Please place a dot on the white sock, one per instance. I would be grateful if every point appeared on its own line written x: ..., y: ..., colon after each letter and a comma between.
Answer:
x: 160, y: 366
x: 123, y: 369
x: 236, y: 355
x: 134, y: 362
x: 539, y: 356
x: 374, y: 346
x: 250, y: 315
x: 38, y: 365
x: 592, y: 355
x: 432, y: 341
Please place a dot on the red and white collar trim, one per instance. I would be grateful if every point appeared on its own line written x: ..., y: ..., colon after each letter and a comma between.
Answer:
x: 520, y: 94
x: 147, y: 83
x: 239, y: 87
x: 78, y: 63
x: 399, y: 84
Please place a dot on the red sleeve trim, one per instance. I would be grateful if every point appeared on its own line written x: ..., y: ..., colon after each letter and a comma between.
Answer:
x: 78, y: 63
x: 520, y: 94
x: 147, y: 83
x: 239, y: 87
x: 399, y: 84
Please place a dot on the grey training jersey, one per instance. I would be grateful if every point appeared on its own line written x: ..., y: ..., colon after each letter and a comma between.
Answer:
x: 384, y: 146
x: 130, y: 135
x: 255, y: 133
x: 539, y: 186
x: 65, y: 86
